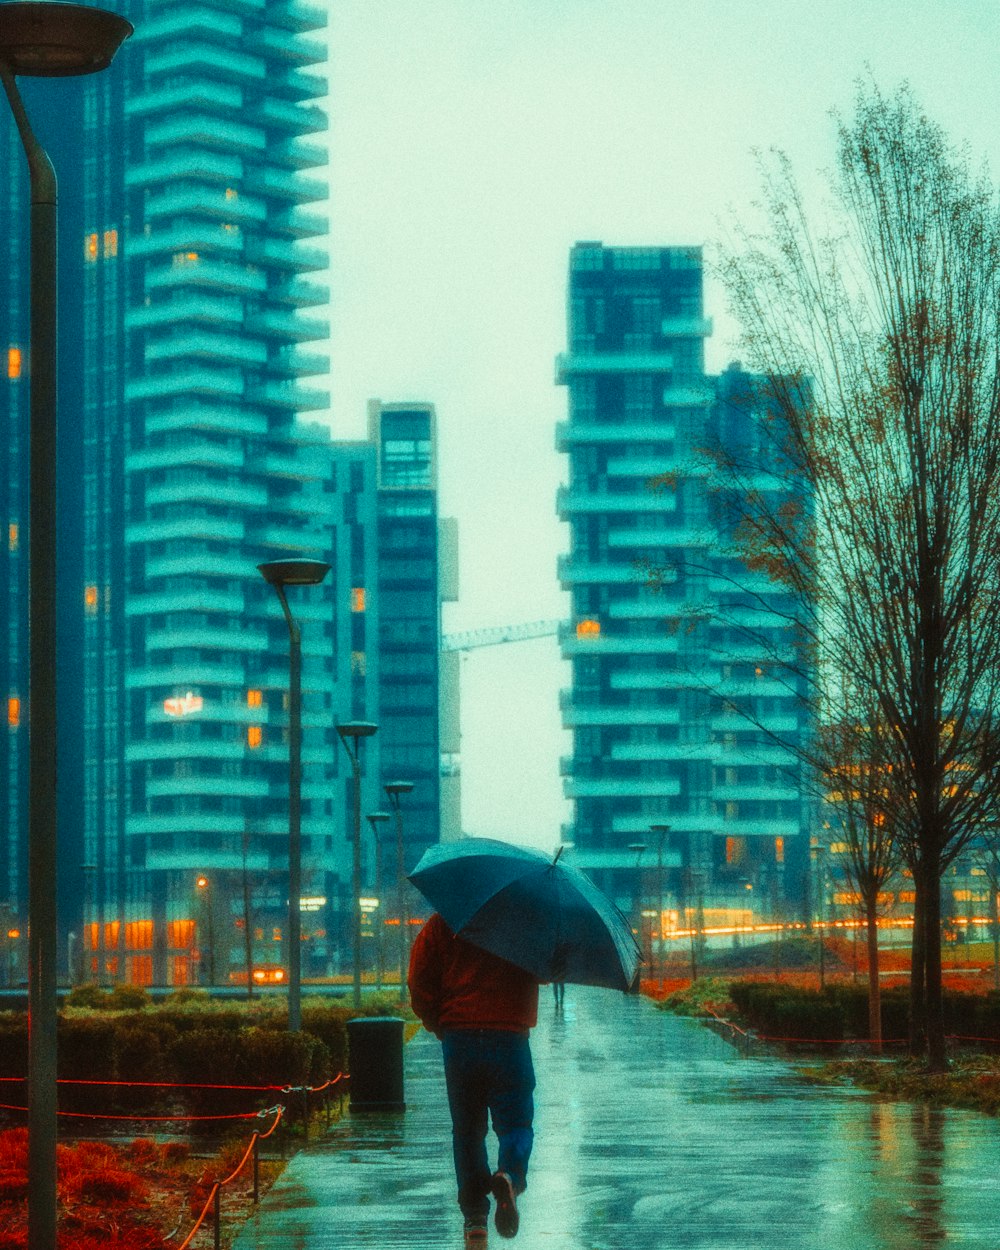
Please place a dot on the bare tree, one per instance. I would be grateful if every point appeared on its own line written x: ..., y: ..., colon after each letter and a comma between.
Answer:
x: 881, y: 339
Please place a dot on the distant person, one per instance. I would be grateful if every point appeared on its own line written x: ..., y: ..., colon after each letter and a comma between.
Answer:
x: 482, y: 1008
x: 559, y: 994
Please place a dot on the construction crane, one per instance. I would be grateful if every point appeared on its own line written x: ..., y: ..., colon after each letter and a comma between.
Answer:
x: 473, y: 638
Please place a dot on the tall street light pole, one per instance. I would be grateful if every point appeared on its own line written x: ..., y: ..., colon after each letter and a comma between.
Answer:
x: 394, y: 789
x: 45, y: 40
x: 351, y: 734
x: 661, y: 832
x: 374, y: 820
x: 817, y: 858
x: 279, y: 574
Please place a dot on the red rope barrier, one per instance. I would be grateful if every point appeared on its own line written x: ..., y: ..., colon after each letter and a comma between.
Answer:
x: 260, y: 1089
x: 152, y: 1119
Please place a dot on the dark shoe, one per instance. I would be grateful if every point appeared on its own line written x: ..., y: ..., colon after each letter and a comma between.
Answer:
x: 505, y: 1217
x: 475, y: 1234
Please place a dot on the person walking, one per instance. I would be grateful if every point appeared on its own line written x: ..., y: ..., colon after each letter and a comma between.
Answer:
x: 482, y: 1009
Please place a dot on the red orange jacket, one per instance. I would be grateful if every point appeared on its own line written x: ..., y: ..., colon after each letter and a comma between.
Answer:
x: 455, y: 985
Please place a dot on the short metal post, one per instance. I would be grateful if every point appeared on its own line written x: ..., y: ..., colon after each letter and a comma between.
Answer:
x: 218, y: 1216
x: 305, y: 1113
x: 256, y: 1168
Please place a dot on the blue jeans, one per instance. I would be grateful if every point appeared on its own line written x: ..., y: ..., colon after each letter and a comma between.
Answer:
x: 488, y: 1070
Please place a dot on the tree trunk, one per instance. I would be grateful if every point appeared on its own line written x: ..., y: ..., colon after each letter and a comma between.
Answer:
x: 937, y: 1056
x: 918, y: 996
x: 874, y: 987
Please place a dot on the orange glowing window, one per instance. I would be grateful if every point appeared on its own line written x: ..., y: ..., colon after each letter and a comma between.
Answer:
x: 255, y: 698
x: 13, y: 536
x: 779, y: 850
x: 90, y: 599
x: 13, y: 362
x: 735, y: 850
x: 111, y: 934
x: 588, y: 629
x: 90, y: 935
x: 232, y: 193
x: 139, y: 935
x: 276, y: 934
x: 357, y: 598
x: 181, y: 934
x: 255, y: 736
x: 13, y: 711
x: 110, y: 243
x: 90, y: 247
x: 140, y: 970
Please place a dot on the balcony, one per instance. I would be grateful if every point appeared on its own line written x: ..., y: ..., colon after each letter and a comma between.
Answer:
x: 297, y: 84
x: 571, y: 434
x: 191, y: 59
x: 155, y: 603
x: 216, y: 133
x: 279, y: 184
x: 570, y: 500
x: 216, y: 383
x: 208, y: 490
x: 568, y: 364
x: 686, y: 327
x: 295, y: 154
x: 280, y: 50
x: 210, y: 310
x: 288, y: 325
x: 187, y: 21
x: 301, y: 294
x: 213, y: 528
x: 218, y: 275
x: 185, y: 454
x: 167, y: 676
x: 206, y: 786
x: 277, y: 253
x: 576, y: 713
x: 287, y: 538
x: 209, y: 637
x: 289, y: 396
x: 298, y: 364
x: 206, y: 201
x: 193, y: 94
x: 611, y: 644
x: 199, y: 564
x: 297, y: 223
x: 217, y: 419
x: 191, y: 164
x: 223, y: 349
x: 296, y: 119
x: 301, y: 468
x: 298, y: 15
x: 623, y: 788
x: 572, y: 570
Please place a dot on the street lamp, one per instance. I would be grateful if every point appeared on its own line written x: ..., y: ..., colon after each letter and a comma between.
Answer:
x: 375, y: 819
x: 661, y: 832
x: 351, y: 734
x: 639, y: 848
x: 393, y: 790
x: 45, y: 40
x: 205, y: 885
x: 279, y: 574
x: 816, y: 851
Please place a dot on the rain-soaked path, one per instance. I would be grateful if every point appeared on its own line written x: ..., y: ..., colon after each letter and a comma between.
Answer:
x: 654, y: 1134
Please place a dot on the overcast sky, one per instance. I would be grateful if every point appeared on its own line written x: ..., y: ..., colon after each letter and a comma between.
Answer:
x: 472, y: 142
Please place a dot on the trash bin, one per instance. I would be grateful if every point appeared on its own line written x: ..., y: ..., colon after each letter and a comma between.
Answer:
x: 375, y: 1062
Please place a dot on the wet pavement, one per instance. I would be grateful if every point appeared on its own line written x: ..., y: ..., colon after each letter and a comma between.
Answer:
x: 654, y: 1134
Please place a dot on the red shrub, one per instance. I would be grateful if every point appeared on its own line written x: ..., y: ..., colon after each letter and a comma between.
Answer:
x: 13, y: 1186
x: 106, y: 1187
x: 176, y: 1151
x: 13, y: 1149
x: 144, y: 1150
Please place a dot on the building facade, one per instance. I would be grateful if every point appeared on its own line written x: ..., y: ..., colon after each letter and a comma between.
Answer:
x: 678, y: 802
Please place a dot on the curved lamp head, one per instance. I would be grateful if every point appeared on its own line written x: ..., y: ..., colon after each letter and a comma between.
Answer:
x: 377, y: 818
x: 48, y: 40
x: 659, y: 828
x: 356, y: 729
x: 395, y: 788
x: 292, y: 572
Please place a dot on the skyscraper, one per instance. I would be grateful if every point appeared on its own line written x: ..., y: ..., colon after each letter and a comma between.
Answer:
x: 655, y: 740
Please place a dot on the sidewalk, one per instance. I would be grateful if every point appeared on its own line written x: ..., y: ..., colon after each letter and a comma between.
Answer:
x: 653, y: 1134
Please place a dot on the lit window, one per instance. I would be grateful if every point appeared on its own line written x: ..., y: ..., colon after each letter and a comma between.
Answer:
x: 254, y: 736
x: 359, y: 663
x: 185, y: 258
x: 232, y: 193
x: 138, y: 935
x: 90, y: 599
x: 110, y: 243
x: 962, y: 896
x: 90, y: 247
x: 276, y: 934
x: 588, y: 629
x: 735, y: 850
x: 229, y: 228
x: 758, y: 671
x: 13, y: 362
x: 255, y: 698
x: 779, y: 850
x: 357, y: 598
x: 13, y: 536
x: 13, y: 711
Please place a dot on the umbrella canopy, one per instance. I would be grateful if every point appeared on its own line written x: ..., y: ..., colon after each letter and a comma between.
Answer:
x: 529, y: 909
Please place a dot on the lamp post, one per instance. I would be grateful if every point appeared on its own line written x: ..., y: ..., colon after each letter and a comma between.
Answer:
x: 46, y: 40
x: 279, y: 574
x: 661, y: 832
x: 393, y: 790
x: 351, y: 734
x: 205, y: 886
x: 816, y: 852
x: 375, y: 819
x: 639, y: 848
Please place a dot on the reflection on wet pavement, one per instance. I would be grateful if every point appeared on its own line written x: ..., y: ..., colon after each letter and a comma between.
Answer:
x: 654, y: 1134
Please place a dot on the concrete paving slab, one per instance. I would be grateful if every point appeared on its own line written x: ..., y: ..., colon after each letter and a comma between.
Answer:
x: 654, y: 1134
